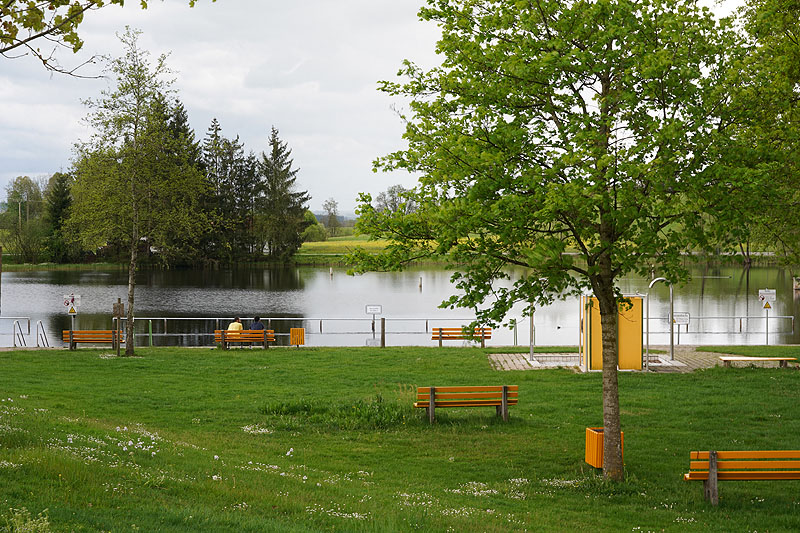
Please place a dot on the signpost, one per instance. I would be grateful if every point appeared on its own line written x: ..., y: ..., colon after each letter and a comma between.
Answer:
x: 767, y: 297
x: 681, y: 318
x: 71, y: 303
x: 377, y: 310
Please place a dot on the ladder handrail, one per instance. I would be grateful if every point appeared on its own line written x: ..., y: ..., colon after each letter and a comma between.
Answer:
x: 14, y: 327
x: 41, y: 334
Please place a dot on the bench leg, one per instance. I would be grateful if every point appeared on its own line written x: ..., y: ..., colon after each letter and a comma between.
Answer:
x: 432, y: 406
x: 504, y: 406
x: 710, y: 490
x: 726, y: 364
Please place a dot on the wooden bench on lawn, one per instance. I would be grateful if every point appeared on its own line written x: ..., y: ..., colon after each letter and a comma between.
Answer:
x: 499, y: 396
x: 93, y: 336
x: 728, y: 359
x: 260, y: 336
x: 767, y: 465
x: 458, y: 334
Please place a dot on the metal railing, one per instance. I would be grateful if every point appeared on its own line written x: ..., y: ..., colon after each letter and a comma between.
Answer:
x: 160, y: 327
x: 18, y: 335
x: 41, y: 335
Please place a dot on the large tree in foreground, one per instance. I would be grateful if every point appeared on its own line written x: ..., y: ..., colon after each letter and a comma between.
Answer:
x: 571, y: 138
x: 136, y: 182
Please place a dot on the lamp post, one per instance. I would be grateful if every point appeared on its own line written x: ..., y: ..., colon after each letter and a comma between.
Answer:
x: 671, y: 345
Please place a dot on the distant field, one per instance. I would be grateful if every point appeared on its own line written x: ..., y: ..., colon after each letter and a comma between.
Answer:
x: 326, y: 439
x: 342, y: 245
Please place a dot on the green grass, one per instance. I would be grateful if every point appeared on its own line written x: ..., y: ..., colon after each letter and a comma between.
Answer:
x: 325, y: 439
x: 341, y: 245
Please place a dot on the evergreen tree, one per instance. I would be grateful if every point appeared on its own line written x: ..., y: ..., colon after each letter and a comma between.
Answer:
x: 281, y: 207
x: 58, y: 202
x: 232, y: 176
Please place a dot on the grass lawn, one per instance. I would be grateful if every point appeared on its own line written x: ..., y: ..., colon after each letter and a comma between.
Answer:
x: 325, y: 439
x: 341, y: 245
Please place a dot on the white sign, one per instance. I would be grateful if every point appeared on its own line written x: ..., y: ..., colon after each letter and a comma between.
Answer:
x: 72, y: 300
x: 680, y: 318
x: 767, y: 295
x: 374, y: 309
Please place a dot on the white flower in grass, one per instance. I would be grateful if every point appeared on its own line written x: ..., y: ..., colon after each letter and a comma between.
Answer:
x: 290, y: 452
x: 216, y: 457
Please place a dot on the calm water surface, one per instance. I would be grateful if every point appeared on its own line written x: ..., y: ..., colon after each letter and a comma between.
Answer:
x: 722, y: 302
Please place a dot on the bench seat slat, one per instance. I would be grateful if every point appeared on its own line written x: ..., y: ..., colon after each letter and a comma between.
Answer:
x: 746, y: 475
x: 245, y: 335
x: 486, y: 388
x: 456, y: 403
x: 468, y: 395
x: 746, y: 465
x: 91, y: 336
x: 744, y: 454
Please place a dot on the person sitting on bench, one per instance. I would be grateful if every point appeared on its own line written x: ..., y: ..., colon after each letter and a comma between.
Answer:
x: 236, y: 325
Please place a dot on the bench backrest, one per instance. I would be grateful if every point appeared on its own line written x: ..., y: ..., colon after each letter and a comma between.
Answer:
x: 458, y: 334
x: 91, y: 335
x: 744, y: 465
x: 478, y: 395
x: 245, y: 335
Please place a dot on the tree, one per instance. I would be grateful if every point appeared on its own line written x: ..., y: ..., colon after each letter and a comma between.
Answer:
x: 554, y: 127
x: 314, y: 232
x: 395, y: 199
x: 766, y: 104
x: 26, y: 230
x: 25, y: 24
x: 281, y: 207
x: 331, y: 208
x: 131, y: 184
x: 233, y: 177
x: 58, y: 202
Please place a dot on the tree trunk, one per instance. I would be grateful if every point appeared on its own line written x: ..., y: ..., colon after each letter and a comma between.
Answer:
x: 612, y: 444
x: 129, y: 326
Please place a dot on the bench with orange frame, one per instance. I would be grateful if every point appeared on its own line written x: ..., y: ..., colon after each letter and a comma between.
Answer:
x: 766, y: 465
x: 499, y: 396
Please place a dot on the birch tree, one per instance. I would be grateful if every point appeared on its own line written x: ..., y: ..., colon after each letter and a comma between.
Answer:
x: 133, y: 186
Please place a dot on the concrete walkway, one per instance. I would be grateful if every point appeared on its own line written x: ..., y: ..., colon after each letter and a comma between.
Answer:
x: 686, y: 359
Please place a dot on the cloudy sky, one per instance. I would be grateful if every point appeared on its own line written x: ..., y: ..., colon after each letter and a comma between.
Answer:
x: 308, y: 67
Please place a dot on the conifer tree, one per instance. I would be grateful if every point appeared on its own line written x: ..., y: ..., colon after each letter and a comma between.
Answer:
x: 280, y: 206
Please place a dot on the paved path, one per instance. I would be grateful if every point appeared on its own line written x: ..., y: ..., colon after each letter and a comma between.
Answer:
x: 687, y: 359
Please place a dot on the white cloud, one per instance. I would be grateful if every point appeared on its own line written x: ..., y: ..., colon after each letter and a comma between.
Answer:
x: 308, y: 67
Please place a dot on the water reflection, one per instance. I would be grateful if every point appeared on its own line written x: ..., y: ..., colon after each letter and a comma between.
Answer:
x: 722, y: 302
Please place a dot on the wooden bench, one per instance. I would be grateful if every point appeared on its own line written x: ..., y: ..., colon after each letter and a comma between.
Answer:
x: 260, y: 336
x: 93, y: 336
x: 500, y: 396
x: 458, y: 334
x: 728, y: 359
x: 714, y: 466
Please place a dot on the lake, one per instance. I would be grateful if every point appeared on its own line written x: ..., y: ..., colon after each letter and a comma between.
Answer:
x: 182, y: 307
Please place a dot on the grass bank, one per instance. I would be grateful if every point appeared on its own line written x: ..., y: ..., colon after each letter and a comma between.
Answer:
x: 324, y: 439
